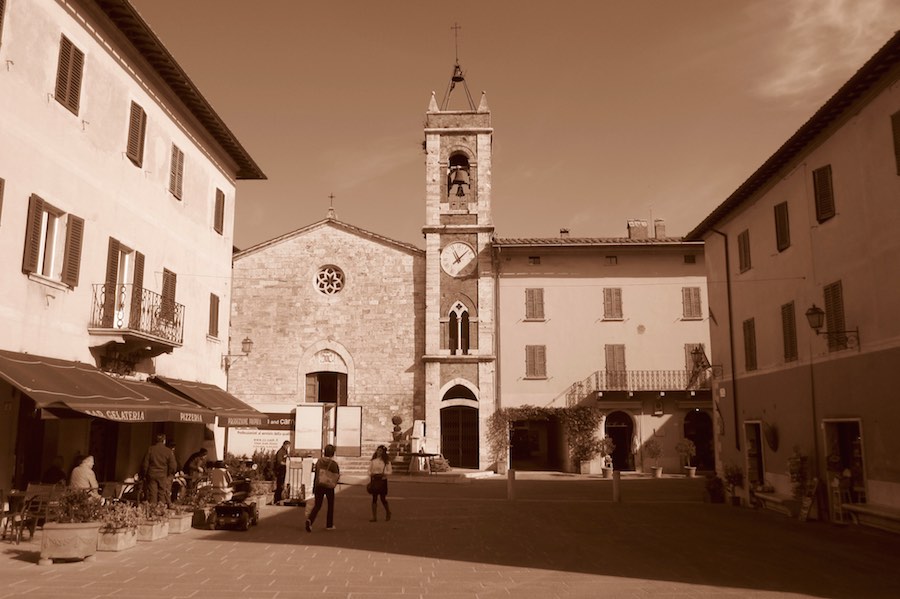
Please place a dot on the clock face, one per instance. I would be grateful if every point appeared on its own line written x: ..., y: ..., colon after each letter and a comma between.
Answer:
x: 458, y: 259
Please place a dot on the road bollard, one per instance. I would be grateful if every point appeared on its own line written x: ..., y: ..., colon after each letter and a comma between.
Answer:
x: 510, y: 484
x: 617, y: 497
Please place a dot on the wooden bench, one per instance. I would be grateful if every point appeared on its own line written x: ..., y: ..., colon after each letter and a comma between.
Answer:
x: 778, y: 502
x: 876, y: 516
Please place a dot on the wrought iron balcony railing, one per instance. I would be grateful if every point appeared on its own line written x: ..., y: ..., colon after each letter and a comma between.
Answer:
x: 133, y: 309
x: 634, y: 380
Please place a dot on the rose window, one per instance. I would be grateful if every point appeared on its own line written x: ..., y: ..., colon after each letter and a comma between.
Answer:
x: 329, y: 280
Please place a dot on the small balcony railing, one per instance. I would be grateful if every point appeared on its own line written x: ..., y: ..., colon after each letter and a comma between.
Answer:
x: 127, y: 308
x: 635, y: 380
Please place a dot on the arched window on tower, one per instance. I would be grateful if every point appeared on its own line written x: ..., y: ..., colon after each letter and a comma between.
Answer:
x: 459, y: 329
x: 458, y: 182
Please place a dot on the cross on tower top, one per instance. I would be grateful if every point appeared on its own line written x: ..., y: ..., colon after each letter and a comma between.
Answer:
x: 331, y: 213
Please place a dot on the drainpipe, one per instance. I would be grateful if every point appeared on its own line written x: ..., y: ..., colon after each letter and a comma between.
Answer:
x: 734, y: 386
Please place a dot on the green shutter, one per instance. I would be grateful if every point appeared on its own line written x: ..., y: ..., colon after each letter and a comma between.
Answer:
x: 782, y: 227
x: 68, y: 75
x: 2, y: 182
x: 219, y: 218
x: 137, y: 292
x: 749, y: 344
x: 137, y: 129
x: 110, y: 290
x: 33, y: 234
x: 789, y: 331
x: 213, y: 315
x: 72, y: 257
x: 823, y: 188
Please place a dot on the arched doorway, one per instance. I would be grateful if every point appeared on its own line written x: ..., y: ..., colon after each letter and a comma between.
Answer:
x: 698, y: 428
x: 459, y: 427
x: 620, y: 428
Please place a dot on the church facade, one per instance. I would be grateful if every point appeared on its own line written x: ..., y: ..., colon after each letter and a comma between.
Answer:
x: 359, y: 337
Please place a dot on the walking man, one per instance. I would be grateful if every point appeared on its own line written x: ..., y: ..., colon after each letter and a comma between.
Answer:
x: 327, y: 475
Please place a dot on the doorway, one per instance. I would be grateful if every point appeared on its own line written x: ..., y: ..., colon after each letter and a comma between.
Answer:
x: 459, y: 436
x: 845, y: 460
x: 620, y: 428
x: 698, y: 428
x: 756, y: 468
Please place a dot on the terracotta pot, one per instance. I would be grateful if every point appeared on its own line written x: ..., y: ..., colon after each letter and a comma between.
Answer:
x: 657, y: 471
x: 117, y: 540
x: 77, y: 540
x: 607, y: 472
x: 691, y: 471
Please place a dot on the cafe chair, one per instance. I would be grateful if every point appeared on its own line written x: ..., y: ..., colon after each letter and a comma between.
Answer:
x: 21, y: 516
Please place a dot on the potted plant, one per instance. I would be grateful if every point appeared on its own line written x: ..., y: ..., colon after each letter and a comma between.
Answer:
x: 74, y: 534
x: 154, y: 522
x: 181, y: 515
x: 686, y: 449
x: 580, y: 424
x: 118, y: 528
x: 653, y: 450
x: 607, y: 447
x: 734, y: 478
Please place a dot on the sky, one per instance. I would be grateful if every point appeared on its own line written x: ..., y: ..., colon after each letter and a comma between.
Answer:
x: 603, y: 111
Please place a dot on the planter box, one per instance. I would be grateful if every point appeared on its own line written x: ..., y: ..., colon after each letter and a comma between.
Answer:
x: 118, y: 540
x: 180, y: 522
x: 68, y: 541
x: 153, y: 531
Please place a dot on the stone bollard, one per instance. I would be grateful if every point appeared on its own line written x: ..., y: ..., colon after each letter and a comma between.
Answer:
x: 510, y: 484
x: 617, y: 496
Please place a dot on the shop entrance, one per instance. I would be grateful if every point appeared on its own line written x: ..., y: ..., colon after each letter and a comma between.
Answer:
x: 843, y: 442
x: 756, y: 470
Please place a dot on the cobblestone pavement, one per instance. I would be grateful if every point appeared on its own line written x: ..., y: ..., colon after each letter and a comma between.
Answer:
x: 561, y: 537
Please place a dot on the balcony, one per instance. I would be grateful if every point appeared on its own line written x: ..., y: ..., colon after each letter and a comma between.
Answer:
x: 635, y: 380
x: 146, y: 323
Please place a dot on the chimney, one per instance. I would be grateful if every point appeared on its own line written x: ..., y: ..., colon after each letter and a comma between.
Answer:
x: 637, y: 229
x: 563, y: 232
x: 659, y: 228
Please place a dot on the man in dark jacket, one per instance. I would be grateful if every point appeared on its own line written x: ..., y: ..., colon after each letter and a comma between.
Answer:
x: 281, y: 457
x: 159, y: 465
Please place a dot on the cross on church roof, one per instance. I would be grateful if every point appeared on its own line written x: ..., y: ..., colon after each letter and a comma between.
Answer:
x: 331, y: 213
x: 457, y: 76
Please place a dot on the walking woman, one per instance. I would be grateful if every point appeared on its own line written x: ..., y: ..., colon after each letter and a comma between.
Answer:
x: 379, y: 468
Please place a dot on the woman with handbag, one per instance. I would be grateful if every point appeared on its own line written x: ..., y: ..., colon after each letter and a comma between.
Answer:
x: 379, y: 468
x: 327, y: 475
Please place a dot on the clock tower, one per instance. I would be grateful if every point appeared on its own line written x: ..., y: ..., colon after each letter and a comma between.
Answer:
x: 460, y: 357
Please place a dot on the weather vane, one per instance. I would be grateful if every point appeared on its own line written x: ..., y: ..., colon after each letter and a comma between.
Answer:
x: 457, y: 76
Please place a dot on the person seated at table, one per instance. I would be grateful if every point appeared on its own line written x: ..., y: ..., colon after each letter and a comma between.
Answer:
x: 55, y: 473
x: 83, y: 476
x: 221, y: 480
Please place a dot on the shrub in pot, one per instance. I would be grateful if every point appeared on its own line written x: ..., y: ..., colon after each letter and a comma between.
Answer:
x: 734, y: 478
x: 687, y: 450
x: 118, y: 528
x: 653, y: 450
x: 154, y: 521
x: 74, y: 534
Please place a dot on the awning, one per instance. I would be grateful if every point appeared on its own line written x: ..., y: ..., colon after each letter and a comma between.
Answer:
x: 181, y: 410
x: 230, y: 410
x: 57, y: 386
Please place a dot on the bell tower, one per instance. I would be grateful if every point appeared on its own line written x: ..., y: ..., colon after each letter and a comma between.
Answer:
x: 460, y: 357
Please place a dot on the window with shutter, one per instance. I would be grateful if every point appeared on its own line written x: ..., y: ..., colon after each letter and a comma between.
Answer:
x: 219, y: 217
x: 535, y: 362
x: 176, y: 172
x: 824, y: 191
x: 612, y: 303
x: 782, y: 227
x: 616, y: 375
x: 213, y: 315
x: 2, y: 185
x: 789, y: 332
x: 750, y: 344
x: 68, y: 75
x: 690, y: 300
x: 137, y: 292
x: 534, y: 304
x: 834, y: 316
x: 167, y: 301
x: 137, y: 129
x: 744, y: 250
x: 2, y: 12
x: 895, y: 129
x: 53, y: 241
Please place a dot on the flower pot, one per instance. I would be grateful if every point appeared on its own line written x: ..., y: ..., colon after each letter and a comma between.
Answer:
x: 691, y: 471
x: 607, y: 472
x: 657, y: 471
x: 76, y: 540
x: 117, y: 540
x: 180, y: 522
x: 152, y: 531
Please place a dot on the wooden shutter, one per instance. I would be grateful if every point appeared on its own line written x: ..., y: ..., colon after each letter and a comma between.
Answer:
x: 213, y: 315
x: 33, y: 235
x: 312, y: 390
x: 824, y: 192
x: 744, y: 250
x: 834, y: 316
x: 789, y: 331
x: 176, y: 172
x: 72, y: 256
x: 2, y: 182
x: 750, y: 344
x: 690, y: 302
x: 895, y: 129
x: 137, y: 292
x: 68, y: 75
x: 535, y: 361
x: 167, y: 304
x: 612, y: 303
x: 110, y: 292
x: 2, y: 11
x: 782, y: 227
x: 219, y: 219
x: 534, y: 304
x: 137, y: 129
x: 616, y: 375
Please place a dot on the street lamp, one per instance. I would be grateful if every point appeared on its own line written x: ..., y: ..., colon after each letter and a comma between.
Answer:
x: 246, y: 348
x: 816, y: 318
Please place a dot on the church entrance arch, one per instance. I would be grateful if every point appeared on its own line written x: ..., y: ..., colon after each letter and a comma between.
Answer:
x: 698, y: 428
x: 620, y: 428
x: 459, y: 427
